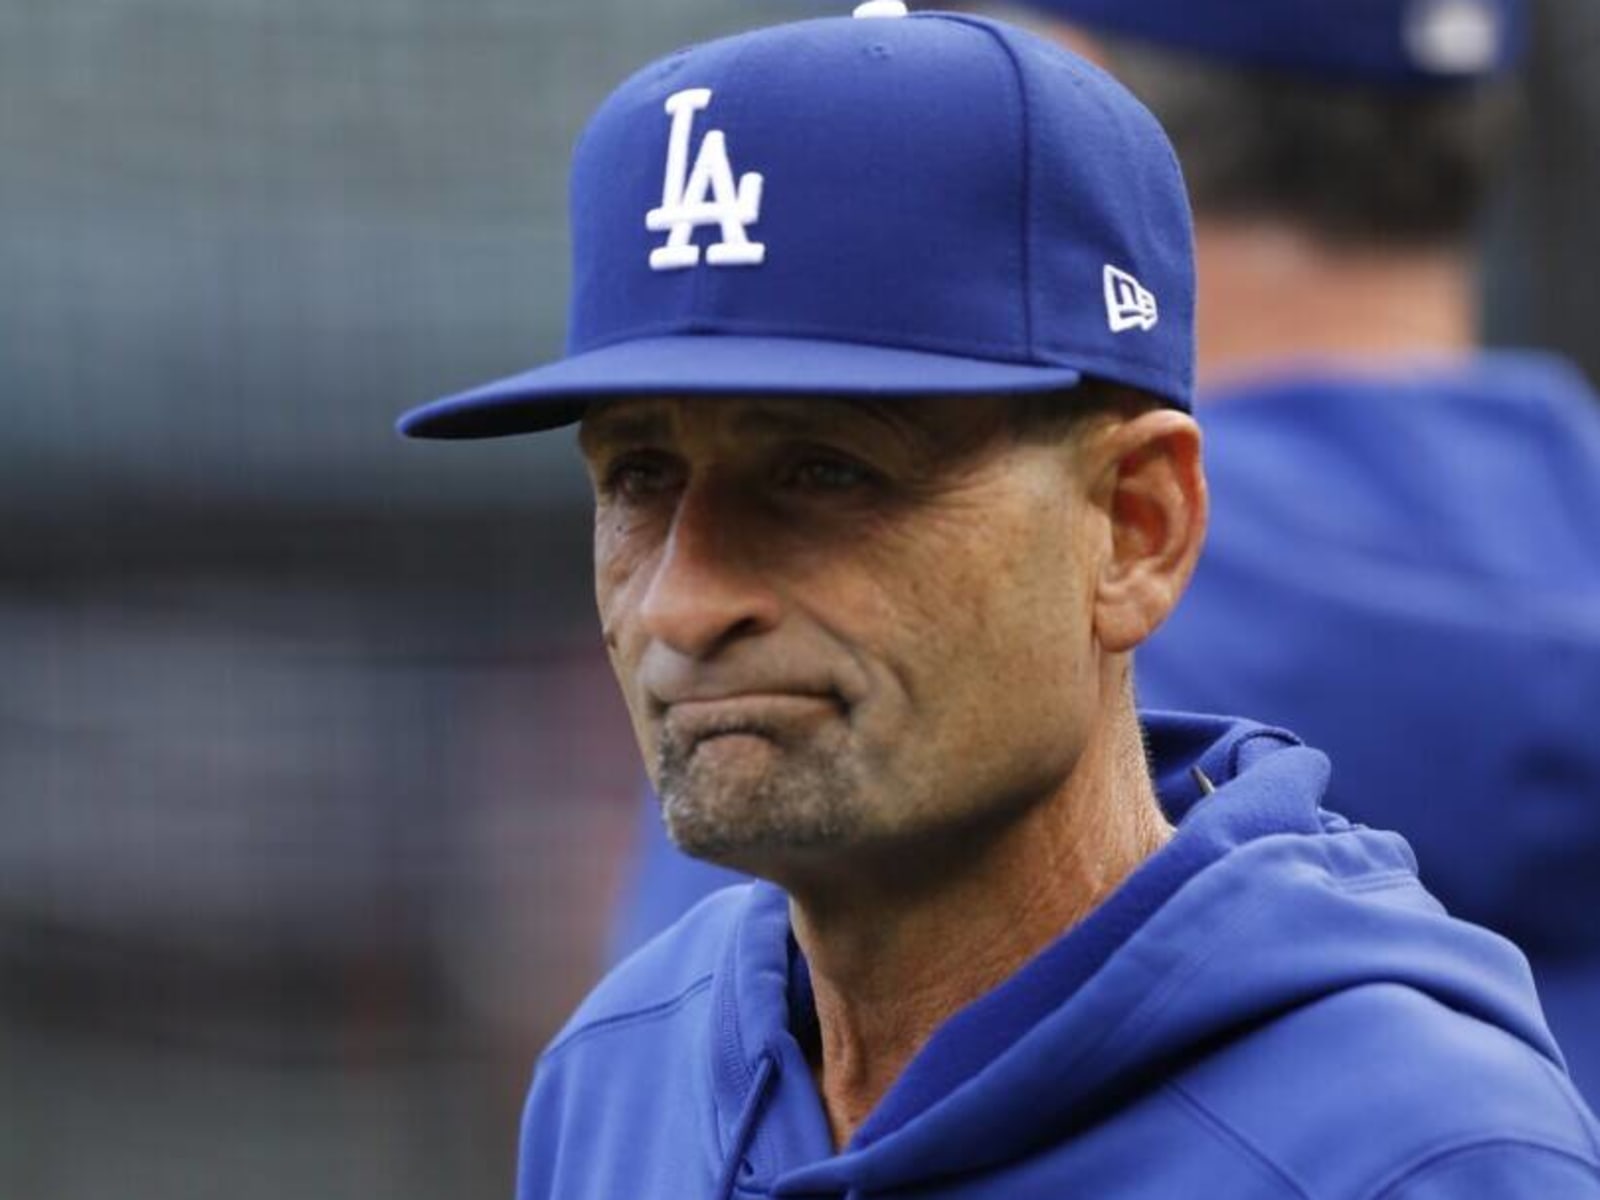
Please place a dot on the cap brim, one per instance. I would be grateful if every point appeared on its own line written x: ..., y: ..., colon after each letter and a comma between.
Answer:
x: 717, y: 365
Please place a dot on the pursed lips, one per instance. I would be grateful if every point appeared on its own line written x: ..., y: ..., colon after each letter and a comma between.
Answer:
x: 757, y: 712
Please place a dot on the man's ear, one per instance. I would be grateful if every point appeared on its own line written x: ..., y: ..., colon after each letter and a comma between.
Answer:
x: 1150, y: 483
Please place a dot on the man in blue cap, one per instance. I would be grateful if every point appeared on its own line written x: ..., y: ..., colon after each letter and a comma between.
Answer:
x: 1404, y: 566
x: 882, y: 348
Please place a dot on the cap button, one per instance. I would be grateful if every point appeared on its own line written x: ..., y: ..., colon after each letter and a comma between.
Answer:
x: 881, y: 8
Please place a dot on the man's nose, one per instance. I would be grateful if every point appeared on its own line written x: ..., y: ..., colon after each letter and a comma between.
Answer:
x: 710, y: 585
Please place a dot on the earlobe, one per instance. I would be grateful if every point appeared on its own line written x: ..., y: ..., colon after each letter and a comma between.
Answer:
x: 1155, y: 498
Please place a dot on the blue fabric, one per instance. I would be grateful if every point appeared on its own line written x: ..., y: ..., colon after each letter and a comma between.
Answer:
x: 1386, y: 42
x: 941, y: 198
x: 1271, y: 1006
x: 1405, y: 569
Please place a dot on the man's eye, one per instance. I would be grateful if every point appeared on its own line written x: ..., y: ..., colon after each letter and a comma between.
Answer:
x: 640, y: 476
x: 828, y: 473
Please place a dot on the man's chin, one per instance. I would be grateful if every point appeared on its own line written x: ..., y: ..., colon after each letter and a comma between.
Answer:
x: 758, y: 846
x: 752, y: 831
x: 750, y: 799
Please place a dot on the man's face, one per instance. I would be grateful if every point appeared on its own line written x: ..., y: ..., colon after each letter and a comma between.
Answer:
x: 843, y: 626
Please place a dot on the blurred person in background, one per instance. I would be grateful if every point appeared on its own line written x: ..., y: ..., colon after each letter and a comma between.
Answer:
x: 1404, y: 566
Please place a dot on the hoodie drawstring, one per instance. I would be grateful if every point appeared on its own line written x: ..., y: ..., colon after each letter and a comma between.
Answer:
x: 744, y: 1131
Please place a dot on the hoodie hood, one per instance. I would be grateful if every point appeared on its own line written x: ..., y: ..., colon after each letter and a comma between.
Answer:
x: 1261, y: 903
x: 1404, y: 568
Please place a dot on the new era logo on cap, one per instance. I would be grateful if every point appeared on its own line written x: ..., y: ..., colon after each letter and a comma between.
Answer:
x: 1128, y: 304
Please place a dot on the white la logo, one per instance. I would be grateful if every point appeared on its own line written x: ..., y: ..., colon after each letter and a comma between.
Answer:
x: 704, y: 196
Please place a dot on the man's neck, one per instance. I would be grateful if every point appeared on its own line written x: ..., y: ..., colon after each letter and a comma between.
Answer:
x: 892, y: 961
x: 1271, y: 295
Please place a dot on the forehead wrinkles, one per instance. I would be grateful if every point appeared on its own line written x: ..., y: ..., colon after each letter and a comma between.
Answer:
x: 933, y: 426
x: 624, y: 421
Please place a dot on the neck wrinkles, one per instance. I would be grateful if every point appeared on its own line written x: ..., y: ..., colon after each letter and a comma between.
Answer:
x: 892, y: 959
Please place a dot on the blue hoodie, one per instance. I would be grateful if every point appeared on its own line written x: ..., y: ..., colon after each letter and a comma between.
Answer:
x: 1270, y: 1006
x: 1405, y: 570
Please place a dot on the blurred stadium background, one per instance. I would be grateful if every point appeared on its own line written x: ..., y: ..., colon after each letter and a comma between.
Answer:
x: 312, y: 781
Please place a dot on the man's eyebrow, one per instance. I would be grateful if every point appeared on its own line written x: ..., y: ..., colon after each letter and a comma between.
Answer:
x: 607, y: 425
x: 817, y: 417
x: 627, y: 425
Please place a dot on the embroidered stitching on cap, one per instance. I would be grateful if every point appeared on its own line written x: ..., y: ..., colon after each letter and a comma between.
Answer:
x: 1128, y: 304
x: 704, y: 195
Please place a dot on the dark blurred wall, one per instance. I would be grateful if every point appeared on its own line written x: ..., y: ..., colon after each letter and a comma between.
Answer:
x: 239, y: 235
x: 1543, y: 283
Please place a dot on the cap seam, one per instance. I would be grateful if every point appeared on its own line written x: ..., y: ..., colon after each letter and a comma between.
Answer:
x: 1025, y: 115
x: 702, y: 289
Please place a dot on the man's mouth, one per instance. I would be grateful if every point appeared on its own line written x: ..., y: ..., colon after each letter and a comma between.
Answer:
x: 768, y: 715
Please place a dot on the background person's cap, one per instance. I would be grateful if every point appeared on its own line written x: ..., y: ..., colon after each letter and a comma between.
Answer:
x: 922, y: 205
x: 1384, y: 42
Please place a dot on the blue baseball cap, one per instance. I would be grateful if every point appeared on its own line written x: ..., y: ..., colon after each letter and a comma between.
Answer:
x: 889, y: 205
x: 1402, y: 43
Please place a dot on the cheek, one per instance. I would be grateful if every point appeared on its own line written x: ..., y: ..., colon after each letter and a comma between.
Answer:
x: 621, y: 565
x: 997, y: 640
x: 621, y: 557
x: 618, y: 569
x: 1040, y: 624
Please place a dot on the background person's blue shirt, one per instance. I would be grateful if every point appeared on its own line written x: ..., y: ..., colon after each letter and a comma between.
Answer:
x: 1404, y: 568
